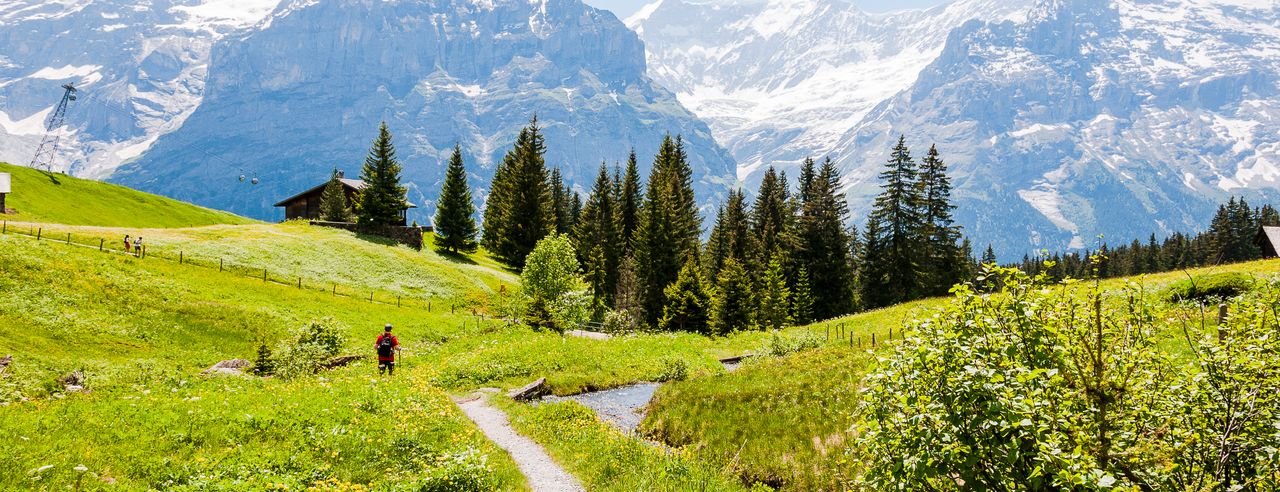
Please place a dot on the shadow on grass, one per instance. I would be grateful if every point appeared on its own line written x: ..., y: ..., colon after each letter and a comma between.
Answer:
x: 53, y: 177
x: 454, y: 257
x: 376, y: 239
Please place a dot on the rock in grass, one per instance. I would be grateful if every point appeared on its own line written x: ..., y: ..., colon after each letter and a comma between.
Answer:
x: 530, y: 391
x: 342, y: 360
x: 232, y: 367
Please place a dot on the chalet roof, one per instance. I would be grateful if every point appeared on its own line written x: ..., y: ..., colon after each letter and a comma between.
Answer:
x: 353, y: 184
x: 1269, y: 234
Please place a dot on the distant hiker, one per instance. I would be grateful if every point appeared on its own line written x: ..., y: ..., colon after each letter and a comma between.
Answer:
x: 387, y: 346
x: 137, y: 246
x: 127, y: 244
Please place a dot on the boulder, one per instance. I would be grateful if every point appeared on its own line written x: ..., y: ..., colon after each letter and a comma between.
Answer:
x: 529, y: 391
x: 231, y: 367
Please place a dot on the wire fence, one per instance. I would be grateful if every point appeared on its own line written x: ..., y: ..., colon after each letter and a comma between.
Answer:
x: 41, y: 232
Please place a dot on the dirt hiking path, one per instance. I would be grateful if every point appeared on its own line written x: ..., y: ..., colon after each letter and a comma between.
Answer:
x: 543, y: 474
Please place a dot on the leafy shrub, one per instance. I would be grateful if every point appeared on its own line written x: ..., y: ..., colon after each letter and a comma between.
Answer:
x: 673, y: 370
x: 619, y: 321
x: 1213, y: 286
x: 308, y: 347
x: 467, y: 471
x: 780, y: 345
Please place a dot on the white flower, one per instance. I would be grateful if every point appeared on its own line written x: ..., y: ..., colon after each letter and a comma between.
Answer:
x: 81, y: 468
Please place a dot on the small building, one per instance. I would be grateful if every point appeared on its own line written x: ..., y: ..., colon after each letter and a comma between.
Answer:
x: 4, y: 190
x: 306, y: 205
x: 1268, y: 239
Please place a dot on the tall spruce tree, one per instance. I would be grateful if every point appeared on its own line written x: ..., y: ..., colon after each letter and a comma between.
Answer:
x: 382, y: 201
x: 802, y: 299
x: 731, y: 236
x: 989, y: 256
x: 771, y: 217
x: 519, y: 212
x: 774, y: 298
x: 667, y: 234
x: 687, y: 301
x: 333, y: 201
x: 630, y: 198
x: 733, y: 303
x: 942, y: 261
x: 597, y: 233
x: 455, y: 223
x: 824, y: 244
x: 898, y: 222
x: 561, y: 205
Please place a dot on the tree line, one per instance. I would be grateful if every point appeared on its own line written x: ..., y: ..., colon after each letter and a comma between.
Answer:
x: 784, y: 258
x: 1229, y: 239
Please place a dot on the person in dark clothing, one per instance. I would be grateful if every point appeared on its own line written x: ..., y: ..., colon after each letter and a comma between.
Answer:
x: 388, y: 347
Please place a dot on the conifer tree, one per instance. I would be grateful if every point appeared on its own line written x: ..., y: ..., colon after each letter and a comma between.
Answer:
x: 560, y: 202
x: 802, y: 299
x: 519, y: 212
x: 667, y: 234
x: 825, y: 244
x: 733, y: 303
x: 989, y: 256
x: 686, y: 307
x: 333, y: 202
x: 630, y: 197
x: 575, y: 207
x: 455, y: 223
x: 731, y: 237
x: 872, y: 269
x: 1268, y: 216
x: 896, y: 217
x: 771, y: 216
x: 596, y: 232
x: 382, y: 201
x: 775, y: 297
x: 942, y: 261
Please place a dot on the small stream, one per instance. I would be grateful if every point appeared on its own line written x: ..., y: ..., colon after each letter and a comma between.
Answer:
x: 622, y: 407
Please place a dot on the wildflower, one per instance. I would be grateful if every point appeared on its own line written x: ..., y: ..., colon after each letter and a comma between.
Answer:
x: 81, y: 468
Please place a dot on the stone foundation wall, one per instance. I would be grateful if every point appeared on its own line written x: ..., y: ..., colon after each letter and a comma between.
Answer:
x: 408, y: 236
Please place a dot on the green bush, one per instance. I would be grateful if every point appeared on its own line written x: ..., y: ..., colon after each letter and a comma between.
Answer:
x: 674, y: 370
x: 780, y: 345
x: 308, y: 348
x: 1213, y: 286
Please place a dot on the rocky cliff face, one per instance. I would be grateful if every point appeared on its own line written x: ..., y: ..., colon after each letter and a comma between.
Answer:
x: 304, y: 91
x: 1061, y: 119
x: 140, y: 68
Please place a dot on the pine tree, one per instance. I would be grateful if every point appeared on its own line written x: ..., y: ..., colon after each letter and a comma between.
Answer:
x: 802, y: 299
x: 775, y: 298
x: 942, y: 260
x: 560, y: 202
x: 333, y: 202
x: 519, y: 212
x: 897, y: 218
x: 596, y: 233
x: 872, y: 269
x: 1268, y: 216
x: 730, y: 236
x: 455, y: 223
x: 771, y: 216
x: 824, y: 244
x: 686, y: 308
x: 630, y: 197
x: 575, y: 207
x: 733, y: 303
x: 382, y: 201
x: 989, y: 256
x: 667, y: 234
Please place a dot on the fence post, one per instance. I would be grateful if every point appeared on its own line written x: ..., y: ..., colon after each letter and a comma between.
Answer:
x: 219, y: 264
x: 68, y: 238
x: 264, y: 274
x: 299, y: 282
x: 180, y: 257
x: 39, y: 232
x: 335, y: 289
x: 428, y: 306
x: 397, y: 301
x: 5, y: 228
x: 371, y: 296
x: 873, y: 339
x: 828, y: 334
x: 100, y: 243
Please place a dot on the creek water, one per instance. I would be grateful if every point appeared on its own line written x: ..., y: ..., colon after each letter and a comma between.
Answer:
x: 622, y: 407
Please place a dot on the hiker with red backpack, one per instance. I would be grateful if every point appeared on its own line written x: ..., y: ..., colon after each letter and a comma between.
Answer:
x: 388, y: 347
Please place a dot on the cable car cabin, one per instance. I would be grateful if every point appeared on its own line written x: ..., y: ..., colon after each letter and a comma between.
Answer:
x: 306, y: 205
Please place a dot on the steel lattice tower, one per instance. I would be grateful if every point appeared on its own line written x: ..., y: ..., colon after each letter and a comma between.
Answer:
x: 49, y: 144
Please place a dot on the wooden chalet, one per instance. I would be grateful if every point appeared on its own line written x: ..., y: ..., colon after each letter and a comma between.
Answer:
x: 306, y: 205
x: 1268, y: 239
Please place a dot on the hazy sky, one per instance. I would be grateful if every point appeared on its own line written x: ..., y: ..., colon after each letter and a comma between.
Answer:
x: 624, y: 8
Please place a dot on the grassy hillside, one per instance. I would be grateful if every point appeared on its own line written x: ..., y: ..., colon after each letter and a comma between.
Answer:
x: 782, y: 421
x: 55, y: 198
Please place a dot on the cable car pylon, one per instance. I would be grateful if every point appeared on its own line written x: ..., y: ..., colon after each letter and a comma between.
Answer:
x: 49, y: 144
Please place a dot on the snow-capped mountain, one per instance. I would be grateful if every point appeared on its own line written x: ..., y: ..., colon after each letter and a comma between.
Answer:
x: 781, y: 80
x: 1060, y: 121
x: 140, y: 67
x: 303, y: 92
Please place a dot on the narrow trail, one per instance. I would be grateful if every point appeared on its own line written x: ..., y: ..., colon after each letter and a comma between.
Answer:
x: 537, y: 466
